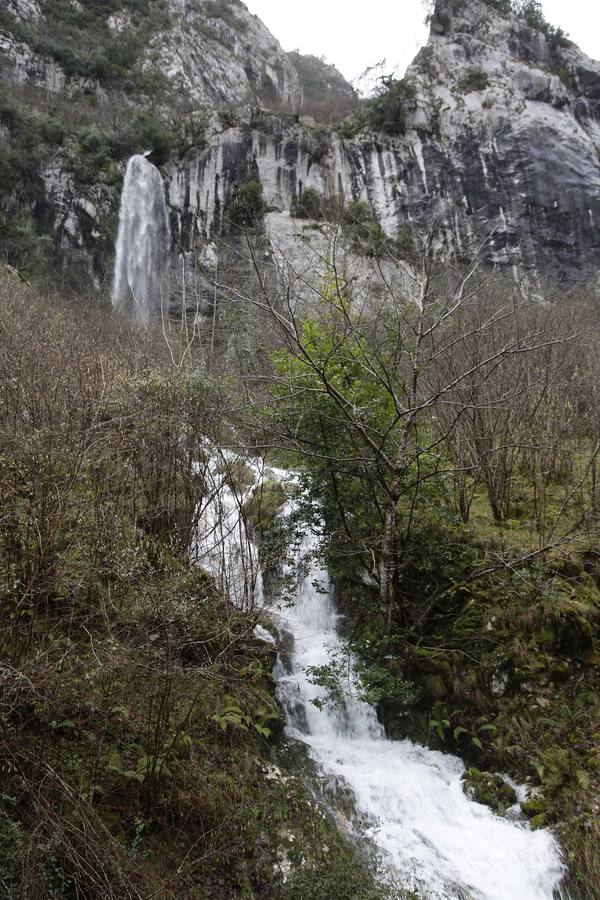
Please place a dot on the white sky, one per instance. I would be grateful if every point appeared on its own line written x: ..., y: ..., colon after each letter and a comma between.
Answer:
x: 354, y: 34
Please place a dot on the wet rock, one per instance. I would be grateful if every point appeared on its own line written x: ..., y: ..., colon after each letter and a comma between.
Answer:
x: 490, y: 789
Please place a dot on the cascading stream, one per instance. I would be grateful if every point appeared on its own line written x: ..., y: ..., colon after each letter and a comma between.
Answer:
x: 141, y: 281
x: 222, y: 544
x: 432, y: 838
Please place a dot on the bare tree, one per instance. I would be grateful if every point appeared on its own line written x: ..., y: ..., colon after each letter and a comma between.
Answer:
x: 419, y: 346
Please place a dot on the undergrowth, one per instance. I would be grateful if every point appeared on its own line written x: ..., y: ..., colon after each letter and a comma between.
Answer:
x: 139, y: 736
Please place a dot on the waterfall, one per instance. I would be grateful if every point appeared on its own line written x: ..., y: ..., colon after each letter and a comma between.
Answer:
x: 140, y: 284
x: 431, y: 837
x: 222, y: 544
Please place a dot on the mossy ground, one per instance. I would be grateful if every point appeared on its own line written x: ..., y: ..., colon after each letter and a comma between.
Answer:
x: 505, y: 671
x: 150, y: 741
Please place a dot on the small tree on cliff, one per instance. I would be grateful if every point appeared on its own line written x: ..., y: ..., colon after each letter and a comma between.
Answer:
x: 247, y: 207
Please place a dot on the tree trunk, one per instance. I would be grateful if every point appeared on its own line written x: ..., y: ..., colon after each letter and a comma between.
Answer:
x: 387, y: 562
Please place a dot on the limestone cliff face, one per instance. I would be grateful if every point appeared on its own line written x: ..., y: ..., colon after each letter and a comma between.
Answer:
x: 83, y: 86
x: 501, y: 142
x: 222, y: 54
x: 502, y: 148
x: 517, y: 149
x: 214, y: 51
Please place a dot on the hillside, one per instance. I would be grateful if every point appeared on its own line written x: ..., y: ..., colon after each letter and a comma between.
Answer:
x: 299, y: 460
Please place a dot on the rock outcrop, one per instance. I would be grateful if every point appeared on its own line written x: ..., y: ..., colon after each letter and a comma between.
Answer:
x: 501, y: 147
x: 499, y: 144
x: 221, y: 54
x: 214, y: 51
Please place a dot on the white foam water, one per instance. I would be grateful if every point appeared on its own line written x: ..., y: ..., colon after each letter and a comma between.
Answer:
x: 433, y: 839
x: 222, y: 543
x: 140, y: 282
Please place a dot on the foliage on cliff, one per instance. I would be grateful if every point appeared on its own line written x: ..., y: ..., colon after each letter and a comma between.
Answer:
x: 530, y: 12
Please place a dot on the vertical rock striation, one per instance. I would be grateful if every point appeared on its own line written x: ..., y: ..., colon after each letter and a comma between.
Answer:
x: 501, y: 147
x: 500, y: 143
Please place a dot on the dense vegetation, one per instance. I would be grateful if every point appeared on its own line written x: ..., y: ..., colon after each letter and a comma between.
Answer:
x: 445, y: 427
x: 78, y: 37
x: 137, y: 716
x: 452, y: 444
x: 446, y: 430
x: 247, y: 207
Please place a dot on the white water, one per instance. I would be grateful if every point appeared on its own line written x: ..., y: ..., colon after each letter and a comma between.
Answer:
x: 140, y: 283
x: 221, y: 543
x: 432, y: 838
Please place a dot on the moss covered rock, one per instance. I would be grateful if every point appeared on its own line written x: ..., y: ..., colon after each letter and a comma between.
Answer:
x: 490, y: 789
x: 536, y: 806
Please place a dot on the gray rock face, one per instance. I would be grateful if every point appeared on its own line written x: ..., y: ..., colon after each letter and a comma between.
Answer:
x: 25, y: 10
x: 501, y: 146
x: 214, y: 51
x: 224, y: 55
x: 518, y: 158
x: 510, y: 168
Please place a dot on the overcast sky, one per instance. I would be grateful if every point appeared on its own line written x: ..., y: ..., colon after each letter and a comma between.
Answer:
x: 354, y: 34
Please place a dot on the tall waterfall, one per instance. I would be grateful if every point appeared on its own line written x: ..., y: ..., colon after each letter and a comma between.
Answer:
x: 141, y: 280
x: 431, y: 837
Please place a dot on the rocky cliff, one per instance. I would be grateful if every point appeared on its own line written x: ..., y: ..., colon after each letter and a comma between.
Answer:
x: 495, y: 131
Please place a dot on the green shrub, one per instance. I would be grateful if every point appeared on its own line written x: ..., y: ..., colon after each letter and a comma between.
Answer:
x: 309, y: 205
x: 387, y: 112
x: 474, y: 79
x: 342, y: 879
x: 362, y: 229
x: 96, y: 151
x: 247, y: 207
x: 404, y: 244
x: 352, y: 125
x: 532, y: 13
x: 149, y: 132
